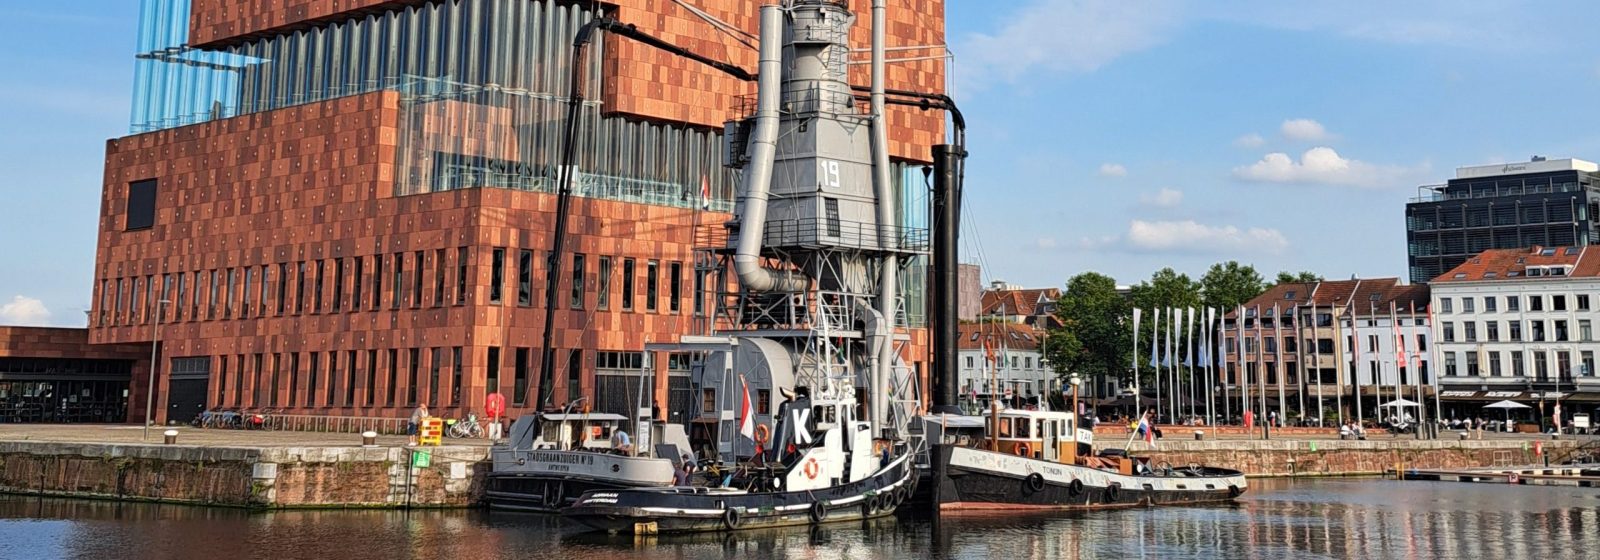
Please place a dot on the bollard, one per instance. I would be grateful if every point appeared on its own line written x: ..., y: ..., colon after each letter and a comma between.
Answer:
x: 369, y: 438
x: 169, y: 437
x: 1463, y: 436
x: 1199, y: 435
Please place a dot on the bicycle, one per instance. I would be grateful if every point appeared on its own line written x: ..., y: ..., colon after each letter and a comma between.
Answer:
x: 468, y: 428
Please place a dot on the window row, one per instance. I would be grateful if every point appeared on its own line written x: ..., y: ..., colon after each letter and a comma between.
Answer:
x: 1546, y: 366
x: 613, y: 282
x: 348, y: 379
x: 1536, y: 302
x: 404, y: 279
x: 1538, y: 330
x: 1026, y: 362
x: 1417, y: 342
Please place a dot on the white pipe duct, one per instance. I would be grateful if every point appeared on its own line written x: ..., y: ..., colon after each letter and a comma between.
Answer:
x: 758, y: 177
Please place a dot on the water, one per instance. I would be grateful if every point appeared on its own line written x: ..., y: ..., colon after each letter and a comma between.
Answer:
x: 1277, y: 519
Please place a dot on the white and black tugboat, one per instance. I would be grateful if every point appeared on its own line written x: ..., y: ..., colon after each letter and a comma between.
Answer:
x: 815, y: 250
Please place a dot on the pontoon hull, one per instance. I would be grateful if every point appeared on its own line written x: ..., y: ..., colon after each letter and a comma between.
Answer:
x: 976, y: 479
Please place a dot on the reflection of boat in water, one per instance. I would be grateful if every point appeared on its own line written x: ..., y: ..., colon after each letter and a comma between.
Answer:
x: 572, y: 454
x: 1020, y: 459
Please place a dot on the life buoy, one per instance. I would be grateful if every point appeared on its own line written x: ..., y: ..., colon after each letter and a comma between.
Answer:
x: 1076, y: 487
x: 1035, y: 482
x: 1113, y: 491
x: 1023, y: 450
x: 1514, y: 479
x: 762, y: 435
x: 811, y: 469
x: 730, y: 518
x: 819, y: 512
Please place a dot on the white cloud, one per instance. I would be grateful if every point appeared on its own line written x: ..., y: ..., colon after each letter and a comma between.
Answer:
x: 1164, y: 198
x: 1305, y: 130
x: 1045, y: 243
x: 1322, y: 165
x: 1113, y: 170
x: 1062, y: 36
x: 1251, y: 140
x: 24, y: 311
x: 1189, y: 236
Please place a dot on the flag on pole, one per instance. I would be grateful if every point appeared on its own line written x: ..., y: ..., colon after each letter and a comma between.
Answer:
x: 1155, y: 337
x: 705, y: 192
x: 747, y: 418
x: 1148, y: 430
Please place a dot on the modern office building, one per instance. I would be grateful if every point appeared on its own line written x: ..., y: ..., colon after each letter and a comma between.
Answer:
x: 1548, y: 202
x: 344, y: 208
x: 1518, y: 324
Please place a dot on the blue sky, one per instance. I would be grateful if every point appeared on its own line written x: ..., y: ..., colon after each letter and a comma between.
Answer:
x: 1112, y: 136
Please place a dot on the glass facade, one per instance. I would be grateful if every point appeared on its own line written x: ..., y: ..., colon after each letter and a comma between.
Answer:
x: 483, y: 87
x: 63, y: 390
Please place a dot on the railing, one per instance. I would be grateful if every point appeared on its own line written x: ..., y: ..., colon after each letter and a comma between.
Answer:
x: 813, y: 232
x: 337, y: 424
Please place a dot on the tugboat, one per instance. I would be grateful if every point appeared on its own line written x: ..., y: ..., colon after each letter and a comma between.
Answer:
x: 823, y: 469
x: 1022, y: 459
x: 815, y: 250
x: 572, y: 453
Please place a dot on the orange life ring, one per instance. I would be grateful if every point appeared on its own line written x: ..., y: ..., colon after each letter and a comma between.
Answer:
x: 1023, y: 450
x: 762, y: 433
x: 811, y: 469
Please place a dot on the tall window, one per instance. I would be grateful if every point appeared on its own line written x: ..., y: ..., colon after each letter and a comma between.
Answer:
x: 350, y: 375
x: 372, y: 377
x: 283, y: 287
x: 277, y: 380
x: 300, y: 288
x: 312, y: 378
x: 497, y: 274
x: 141, y: 205
x: 246, y: 304
x: 399, y: 281
x: 525, y: 277
x: 316, y: 286
x: 338, y: 285
x: 1445, y: 305
x: 259, y: 391
x: 1583, y: 302
x: 1513, y: 303
x: 1514, y: 330
x: 574, y: 375
x: 1449, y: 333
x: 674, y: 286
x: 1535, y: 303
x: 416, y: 279
x: 216, y: 291
x: 437, y: 355
x: 1467, y: 305
x: 652, y: 271
x: 1517, y: 367
x: 1471, y: 330
x: 603, y: 290
x: 578, y: 265
x: 411, y: 376
x: 492, y: 364
x: 1450, y: 364
x: 438, y: 278
x: 1494, y: 364
x: 377, y: 282
x: 519, y: 384
x: 455, y: 377
x: 1558, y: 302
x: 461, y: 275
x: 394, y: 376
x: 1489, y: 304
x: 627, y: 284
x: 700, y: 293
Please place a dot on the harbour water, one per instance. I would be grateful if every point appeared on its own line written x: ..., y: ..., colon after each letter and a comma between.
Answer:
x: 1327, y: 518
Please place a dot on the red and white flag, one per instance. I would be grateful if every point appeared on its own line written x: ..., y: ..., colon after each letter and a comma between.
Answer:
x: 705, y: 192
x: 747, y: 418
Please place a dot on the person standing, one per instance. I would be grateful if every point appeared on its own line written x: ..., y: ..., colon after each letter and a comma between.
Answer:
x: 414, y: 427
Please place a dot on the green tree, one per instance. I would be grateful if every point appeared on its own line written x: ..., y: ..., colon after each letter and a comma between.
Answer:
x: 1227, y: 285
x: 1094, y: 341
x: 1165, y: 289
x: 1304, y: 276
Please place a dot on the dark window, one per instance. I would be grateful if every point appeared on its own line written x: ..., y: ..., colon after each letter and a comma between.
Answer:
x: 411, y: 377
x: 832, y: 209
x: 372, y: 377
x: 333, y: 379
x: 222, y: 380
x: 238, y: 382
x: 578, y: 265
x: 141, y: 205
x: 455, y: 376
x: 261, y: 293
x: 416, y: 279
x: 497, y: 274
x: 394, y: 376
x: 603, y: 290
x: 216, y: 291
x: 525, y: 277
x: 627, y: 284
x: 294, y: 378
x: 438, y: 277
x: 277, y: 380
x: 259, y: 390
x: 700, y: 293
x: 300, y: 288
x: 338, y: 285
x: 674, y: 286
x: 312, y: 378
x: 316, y: 286
x: 433, y: 376
x: 245, y: 305
x: 652, y: 270
x: 399, y: 280
x: 377, y: 284
x: 283, y: 287
x: 492, y: 378
x: 574, y: 375
x: 350, y: 377
x: 519, y: 384
x: 461, y: 276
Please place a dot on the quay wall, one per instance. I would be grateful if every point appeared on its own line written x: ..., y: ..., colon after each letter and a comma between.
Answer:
x: 270, y: 477
x: 1351, y: 458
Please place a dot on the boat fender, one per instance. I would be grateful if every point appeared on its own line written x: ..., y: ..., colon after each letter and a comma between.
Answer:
x: 870, y: 505
x: 1234, y: 491
x: 1035, y: 482
x: 819, y: 512
x: 1113, y: 491
x: 730, y: 518
x: 1023, y: 450
x: 811, y: 469
x: 552, y: 495
x: 1076, y: 488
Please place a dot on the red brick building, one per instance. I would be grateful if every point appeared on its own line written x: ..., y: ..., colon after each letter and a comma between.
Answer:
x: 347, y: 204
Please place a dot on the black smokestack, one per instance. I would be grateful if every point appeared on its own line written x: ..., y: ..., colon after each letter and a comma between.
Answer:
x: 945, y: 296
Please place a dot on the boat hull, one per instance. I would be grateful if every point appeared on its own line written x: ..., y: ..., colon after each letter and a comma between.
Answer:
x: 969, y: 479
x: 548, y: 480
x: 686, y: 510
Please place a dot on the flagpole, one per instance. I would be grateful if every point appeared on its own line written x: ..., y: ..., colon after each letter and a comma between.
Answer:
x: 1316, y: 361
x: 1136, y: 313
x: 1399, y: 354
x: 1300, y: 359
x: 1155, y: 357
x: 1438, y: 409
x: 1155, y: 365
x: 1277, y: 362
x: 1261, y: 365
x: 1416, y: 371
x: 1172, y: 368
x: 1211, y: 380
x: 1355, y: 335
x: 1244, y: 375
x: 1339, y: 362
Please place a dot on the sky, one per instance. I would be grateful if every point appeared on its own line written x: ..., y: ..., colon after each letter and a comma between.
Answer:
x: 1111, y: 136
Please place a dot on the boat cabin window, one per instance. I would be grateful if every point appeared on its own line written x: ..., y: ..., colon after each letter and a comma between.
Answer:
x: 1005, y: 427
x: 1023, y: 426
x: 825, y: 414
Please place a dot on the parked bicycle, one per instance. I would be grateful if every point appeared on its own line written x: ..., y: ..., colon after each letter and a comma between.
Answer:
x: 466, y: 428
x: 220, y: 418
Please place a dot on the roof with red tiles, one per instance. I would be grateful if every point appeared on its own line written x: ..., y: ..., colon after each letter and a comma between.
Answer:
x: 1017, y: 302
x: 1364, y: 294
x: 1015, y: 336
x: 1514, y: 264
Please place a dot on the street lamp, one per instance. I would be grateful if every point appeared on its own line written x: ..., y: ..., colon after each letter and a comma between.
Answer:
x: 150, y: 384
x: 1075, y: 381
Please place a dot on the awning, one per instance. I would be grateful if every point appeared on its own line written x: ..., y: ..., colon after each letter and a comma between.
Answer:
x: 1491, y: 396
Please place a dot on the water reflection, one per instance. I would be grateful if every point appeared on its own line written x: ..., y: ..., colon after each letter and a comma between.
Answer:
x: 1278, y: 519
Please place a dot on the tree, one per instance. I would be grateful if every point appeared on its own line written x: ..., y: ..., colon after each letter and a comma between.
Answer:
x: 1094, y: 341
x: 1302, y: 277
x: 1227, y: 285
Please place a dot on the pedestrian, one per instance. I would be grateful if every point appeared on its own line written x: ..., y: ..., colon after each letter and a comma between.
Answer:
x: 684, y: 472
x: 621, y: 443
x: 414, y: 427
